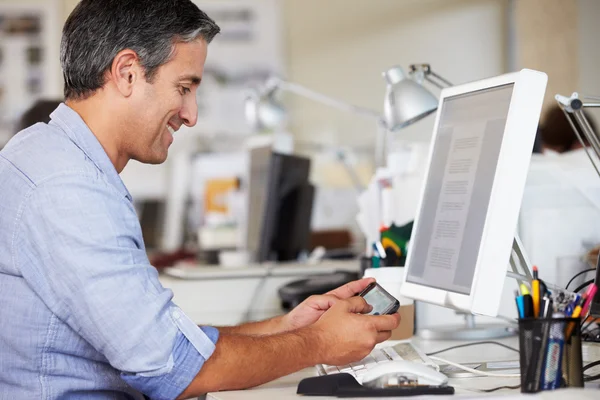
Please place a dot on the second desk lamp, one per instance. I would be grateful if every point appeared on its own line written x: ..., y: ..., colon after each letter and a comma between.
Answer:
x: 406, y: 101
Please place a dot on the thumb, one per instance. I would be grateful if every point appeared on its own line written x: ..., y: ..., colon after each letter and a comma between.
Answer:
x: 357, y: 304
x: 322, y: 302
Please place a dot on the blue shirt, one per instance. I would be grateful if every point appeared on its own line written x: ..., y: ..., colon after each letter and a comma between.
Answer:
x: 82, y: 312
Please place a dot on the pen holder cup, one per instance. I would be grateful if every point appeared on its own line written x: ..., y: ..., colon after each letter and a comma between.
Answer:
x: 550, y: 353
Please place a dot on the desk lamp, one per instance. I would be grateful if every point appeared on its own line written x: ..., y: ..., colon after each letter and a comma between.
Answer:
x: 406, y: 101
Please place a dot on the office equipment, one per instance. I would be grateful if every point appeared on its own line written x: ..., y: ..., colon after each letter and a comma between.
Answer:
x: 464, y: 230
x: 381, y: 375
x: 406, y: 101
x: 535, y: 292
x: 544, y: 344
x: 286, y: 387
x: 403, y: 351
x: 345, y: 385
x: 378, y: 298
x: 524, y: 303
x: 287, y: 211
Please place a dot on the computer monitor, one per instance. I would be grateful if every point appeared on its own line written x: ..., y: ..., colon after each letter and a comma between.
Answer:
x: 467, y: 216
x: 287, y: 211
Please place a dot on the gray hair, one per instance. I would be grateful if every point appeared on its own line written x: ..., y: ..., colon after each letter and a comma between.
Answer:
x: 97, y: 30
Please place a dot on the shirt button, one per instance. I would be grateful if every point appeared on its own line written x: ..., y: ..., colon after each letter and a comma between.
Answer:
x: 176, y: 314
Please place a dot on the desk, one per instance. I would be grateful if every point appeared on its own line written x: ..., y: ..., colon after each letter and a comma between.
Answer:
x: 220, y: 296
x: 285, y: 387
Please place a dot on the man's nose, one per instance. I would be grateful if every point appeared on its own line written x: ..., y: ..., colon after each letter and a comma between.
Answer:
x: 189, y: 112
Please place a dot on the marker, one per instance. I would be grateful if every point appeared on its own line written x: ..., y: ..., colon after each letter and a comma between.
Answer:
x: 535, y: 293
x: 520, y: 305
x: 589, y: 297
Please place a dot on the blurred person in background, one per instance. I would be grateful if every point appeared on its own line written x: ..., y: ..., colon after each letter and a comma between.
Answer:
x: 39, y: 112
x: 83, y: 313
x: 557, y: 134
x: 561, y: 203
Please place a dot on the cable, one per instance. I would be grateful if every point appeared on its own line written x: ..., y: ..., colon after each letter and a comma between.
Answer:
x: 583, y: 285
x: 586, y: 325
x: 500, y: 388
x: 474, y: 371
x: 592, y: 378
x: 578, y: 274
x: 473, y: 344
x: 259, y: 286
x: 590, y: 365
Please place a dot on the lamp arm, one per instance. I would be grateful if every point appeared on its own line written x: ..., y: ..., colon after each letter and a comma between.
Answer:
x: 430, y: 76
x: 321, y: 98
x: 573, y: 110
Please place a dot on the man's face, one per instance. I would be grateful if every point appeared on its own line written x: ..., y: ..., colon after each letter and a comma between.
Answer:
x: 165, y: 104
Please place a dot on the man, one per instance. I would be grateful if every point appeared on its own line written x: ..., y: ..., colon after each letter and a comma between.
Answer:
x: 82, y: 312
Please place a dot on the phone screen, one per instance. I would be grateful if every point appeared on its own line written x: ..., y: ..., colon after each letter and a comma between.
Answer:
x: 379, y: 300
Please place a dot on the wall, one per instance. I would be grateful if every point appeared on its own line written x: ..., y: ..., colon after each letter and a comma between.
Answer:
x: 546, y: 33
x: 351, y: 42
x: 589, y: 52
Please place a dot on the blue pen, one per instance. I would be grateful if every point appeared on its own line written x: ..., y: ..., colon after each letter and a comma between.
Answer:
x: 520, y: 305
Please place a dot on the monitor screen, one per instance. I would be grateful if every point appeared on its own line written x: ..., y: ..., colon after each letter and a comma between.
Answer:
x: 287, y: 209
x: 458, y: 189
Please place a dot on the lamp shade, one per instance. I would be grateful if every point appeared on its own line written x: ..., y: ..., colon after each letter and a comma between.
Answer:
x: 406, y: 101
x: 263, y: 112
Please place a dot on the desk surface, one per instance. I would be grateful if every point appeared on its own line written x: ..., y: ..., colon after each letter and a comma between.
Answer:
x: 285, y: 388
x: 197, y: 272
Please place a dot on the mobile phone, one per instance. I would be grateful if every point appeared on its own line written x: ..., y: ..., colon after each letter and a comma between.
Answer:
x: 381, y: 301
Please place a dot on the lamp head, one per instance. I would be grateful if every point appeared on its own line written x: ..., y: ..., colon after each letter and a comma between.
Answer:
x: 406, y: 101
x: 263, y: 111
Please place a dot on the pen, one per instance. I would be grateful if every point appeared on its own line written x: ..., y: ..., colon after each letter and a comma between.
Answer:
x: 589, y: 297
x: 576, y: 313
x: 520, y: 305
x: 535, y: 292
x: 547, y: 309
x: 375, y: 260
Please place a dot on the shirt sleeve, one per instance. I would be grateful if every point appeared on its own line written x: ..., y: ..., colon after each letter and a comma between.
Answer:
x: 80, y: 247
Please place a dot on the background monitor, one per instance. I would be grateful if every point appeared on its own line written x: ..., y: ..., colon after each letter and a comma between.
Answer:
x: 287, y: 211
x: 467, y: 217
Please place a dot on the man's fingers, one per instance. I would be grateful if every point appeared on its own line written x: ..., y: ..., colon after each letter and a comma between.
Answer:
x: 357, y: 304
x: 383, y: 336
x: 351, y: 288
x: 323, y: 301
x: 386, y: 322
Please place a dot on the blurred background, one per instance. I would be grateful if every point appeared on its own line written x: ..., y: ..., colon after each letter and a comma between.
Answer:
x: 207, y: 202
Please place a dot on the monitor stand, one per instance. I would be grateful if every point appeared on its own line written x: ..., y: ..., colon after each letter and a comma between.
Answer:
x: 470, y: 331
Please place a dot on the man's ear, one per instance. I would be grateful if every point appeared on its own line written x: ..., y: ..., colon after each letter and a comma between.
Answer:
x: 125, y: 71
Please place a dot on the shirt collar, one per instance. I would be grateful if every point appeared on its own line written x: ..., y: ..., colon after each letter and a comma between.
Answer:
x: 76, y: 129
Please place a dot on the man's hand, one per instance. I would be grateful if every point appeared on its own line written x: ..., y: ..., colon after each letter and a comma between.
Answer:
x: 310, y: 310
x: 341, y: 335
x: 346, y: 335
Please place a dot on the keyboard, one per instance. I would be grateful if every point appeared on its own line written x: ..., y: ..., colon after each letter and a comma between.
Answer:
x: 401, y: 351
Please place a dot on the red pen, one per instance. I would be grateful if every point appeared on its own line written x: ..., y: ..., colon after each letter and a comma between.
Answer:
x: 589, y: 297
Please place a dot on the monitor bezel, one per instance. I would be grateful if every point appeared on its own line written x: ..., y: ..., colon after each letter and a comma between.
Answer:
x: 507, y: 190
